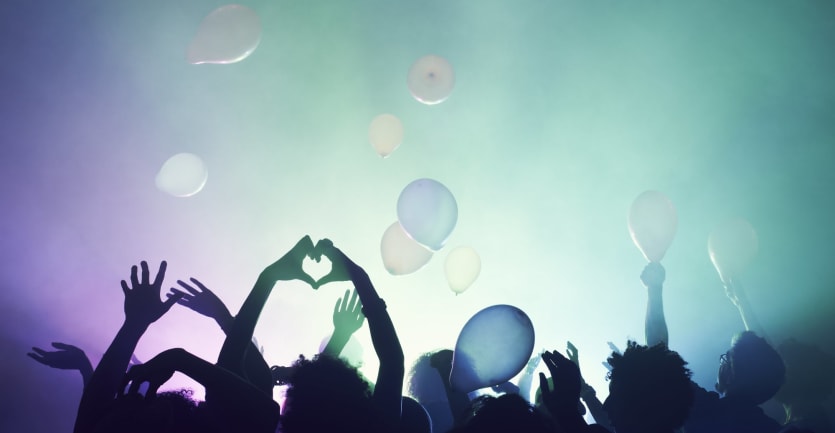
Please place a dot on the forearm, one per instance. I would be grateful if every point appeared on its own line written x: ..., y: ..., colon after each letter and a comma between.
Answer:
x: 337, y: 342
x: 525, y: 384
x: 103, y: 383
x: 239, y: 334
x: 596, y: 408
x: 655, y: 326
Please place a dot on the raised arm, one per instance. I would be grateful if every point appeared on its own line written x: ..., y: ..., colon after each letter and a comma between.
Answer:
x: 389, y: 384
x: 655, y: 326
x: 736, y: 293
x: 347, y: 319
x: 587, y: 393
x: 239, y: 336
x: 198, y: 298
x: 67, y: 357
x: 238, y: 405
x: 143, y: 306
x: 563, y: 399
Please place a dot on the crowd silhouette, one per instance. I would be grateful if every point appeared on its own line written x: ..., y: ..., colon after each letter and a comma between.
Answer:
x: 650, y: 386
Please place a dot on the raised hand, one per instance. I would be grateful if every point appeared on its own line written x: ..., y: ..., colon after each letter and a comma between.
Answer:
x: 347, y: 315
x: 343, y: 268
x: 142, y: 298
x: 202, y: 301
x: 67, y: 357
x: 567, y: 382
x: 156, y: 371
x: 653, y: 275
x: 289, y: 267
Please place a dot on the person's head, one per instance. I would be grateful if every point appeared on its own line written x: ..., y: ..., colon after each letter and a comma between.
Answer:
x: 649, y: 390
x: 810, y: 376
x: 425, y: 383
x: 506, y: 413
x: 413, y: 417
x: 169, y: 411
x: 327, y: 394
x: 751, y: 371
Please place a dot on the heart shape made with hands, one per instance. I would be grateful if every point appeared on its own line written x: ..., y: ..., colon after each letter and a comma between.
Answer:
x: 317, y: 270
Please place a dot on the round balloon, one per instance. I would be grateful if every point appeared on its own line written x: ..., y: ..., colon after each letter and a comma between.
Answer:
x: 385, y: 134
x: 427, y: 211
x: 227, y: 35
x: 652, y: 224
x: 732, y: 246
x: 431, y: 79
x: 401, y: 254
x: 494, y: 346
x: 183, y: 175
x: 462, y: 267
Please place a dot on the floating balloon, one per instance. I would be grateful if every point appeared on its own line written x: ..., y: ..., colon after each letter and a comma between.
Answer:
x: 227, y: 35
x: 431, y: 80
x: 352, y: 352
x: 652, y: 224
x: 732, y: 246
x: 427, y: 211
x: 183, y: 175
x: 494, y: 345
x: 385, y: 134
x: 401, y: 254
x: 462, y: 267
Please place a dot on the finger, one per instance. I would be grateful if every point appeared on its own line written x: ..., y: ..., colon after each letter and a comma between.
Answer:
x: 125, y: 288
x: 177, y: 292
x: 336, y: 306
x: 307, y: 279
x: 160, y: 273
x: 145, y: 272
x: 345, y: 299
x: 186, y: 286
x: 355, y: 301
x: 63, y: 346
x: 39, y: 351
x: 134, y: 280
x: 571, y: 347
x: 199, y: 284
x: 543, y: 383
x: 37, y: 358
x: 134, y: 387
x: 170, y: 302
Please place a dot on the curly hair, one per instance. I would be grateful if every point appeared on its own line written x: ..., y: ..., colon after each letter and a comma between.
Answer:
x: 755, y: 369
x: 649, y: 389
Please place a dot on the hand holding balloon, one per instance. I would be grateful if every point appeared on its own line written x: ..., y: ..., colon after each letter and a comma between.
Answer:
x: 653, y: 275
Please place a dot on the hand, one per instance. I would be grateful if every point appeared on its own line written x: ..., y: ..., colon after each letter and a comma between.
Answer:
x: 142, y: 302
x: 343, y: 268
x: 734, y: 291
x: 567, y: 382
x: 653, y: 275
x: 67, y: 357
x: 202, y: 301
x: 156, y: 372
x: 289, y: 267
x: 441, y: 360
x: 530, y: 367
x: 573, y: 354
x: 347, y: 315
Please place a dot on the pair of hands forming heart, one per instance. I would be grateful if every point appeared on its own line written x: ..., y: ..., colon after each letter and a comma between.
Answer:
x: 289, y: 267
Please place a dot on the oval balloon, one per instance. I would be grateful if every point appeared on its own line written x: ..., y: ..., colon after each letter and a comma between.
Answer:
x: 227, y: 35
x: 385, y: 134
x: 732, y: 247
x: 427, y: 211
x: 352, y: 352
x: 652, y: 224
x: 401, y: 254
x: 431, y: 79
x: 494, y: 346
x: 183, y: 175
x: 462, y: 267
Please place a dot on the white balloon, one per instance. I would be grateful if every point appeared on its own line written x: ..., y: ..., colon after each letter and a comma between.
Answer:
x: 428, y: 212
x: 227, y: 35
x: 732, y: 246
x: 183, y: 175
x: 385, y: 134
x: 431, y: 79
x: 401, y: 254
x: 652, y: 224
x: 494, y: 345
x: 462, y: 267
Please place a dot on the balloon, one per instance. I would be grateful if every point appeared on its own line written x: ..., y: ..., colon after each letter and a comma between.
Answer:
x: 183, y: 175
x: 352, y: 352
x: 652, y: 224
x: 385, y: 134
x: 732, y: 246
x: 494, y: 345
x: 401, y: 254
x: 462, y: 267
x: 427, y: 211
x: 431, y: 79
x: 227, y: 35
